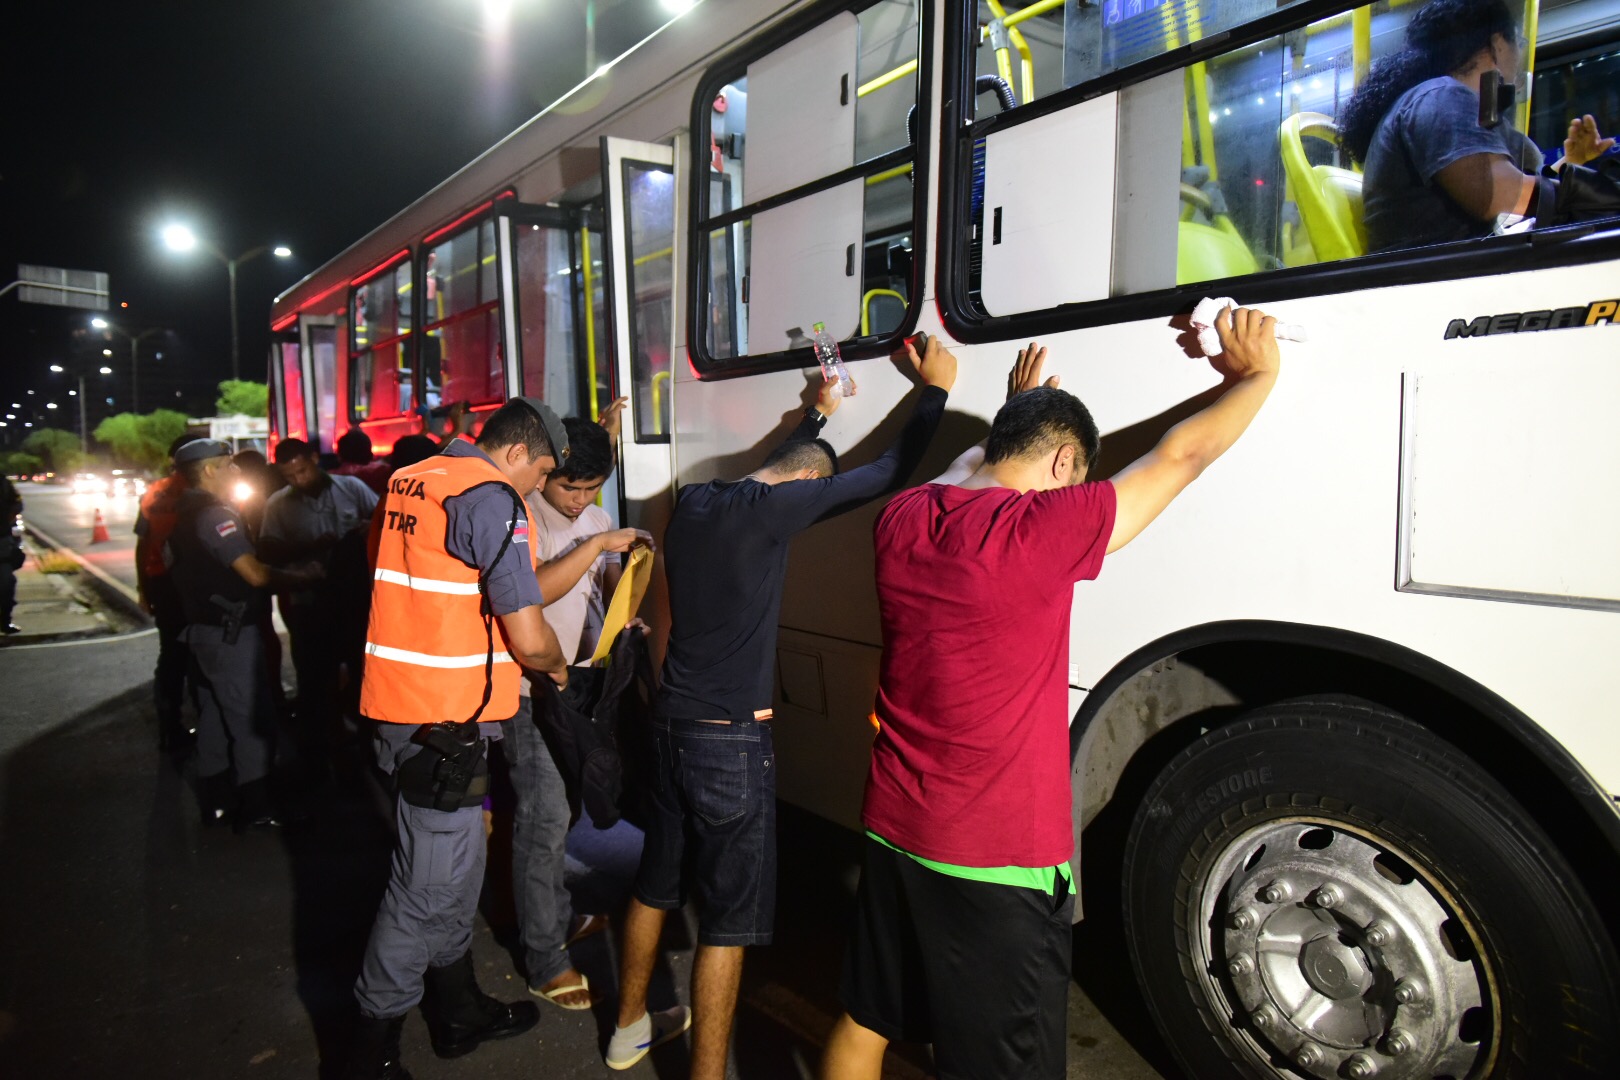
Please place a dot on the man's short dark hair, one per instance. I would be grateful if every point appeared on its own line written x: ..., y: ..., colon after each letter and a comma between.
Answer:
x: 796, y: 454
x: 1037, y: 422
x: 354, y: 447
x: 409, y: 449
x: 288, y: 449
x: 590, y: 452
x: 515, y: 424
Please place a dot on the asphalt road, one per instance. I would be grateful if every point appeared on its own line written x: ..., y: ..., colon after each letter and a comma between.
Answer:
x: 136, y: 943
x: 68, y: 519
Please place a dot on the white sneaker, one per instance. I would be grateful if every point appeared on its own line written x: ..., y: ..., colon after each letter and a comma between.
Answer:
x: 625, y: 1048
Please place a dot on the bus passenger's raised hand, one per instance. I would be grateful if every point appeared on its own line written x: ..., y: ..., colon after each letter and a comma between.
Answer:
x: 1583, y: 143
x: 1026, y: 371
x: 1248, y: 343
x: 612, y: 417
x: 936, y: 366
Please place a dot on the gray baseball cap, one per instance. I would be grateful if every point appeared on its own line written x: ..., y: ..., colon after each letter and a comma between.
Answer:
x: 201, y: 450
x: 556, y: 434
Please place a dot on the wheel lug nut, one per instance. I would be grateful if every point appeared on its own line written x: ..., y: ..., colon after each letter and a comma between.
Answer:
x: 1328, y: 896
x: 1399, y: 1041
x: 1276, y: 892
x: 1360, y: 1067
x: 1380, y: 933
x: 1263, y: 1017
x: 1408, y: 990
x: 1240, y: 965
x: 1244, y: 919
x: 1308, y: 1056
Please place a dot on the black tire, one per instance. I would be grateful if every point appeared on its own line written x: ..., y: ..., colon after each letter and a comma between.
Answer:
x: 1231, y: 860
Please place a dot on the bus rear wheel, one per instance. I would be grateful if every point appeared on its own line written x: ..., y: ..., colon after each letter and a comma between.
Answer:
x: 1325, y: 889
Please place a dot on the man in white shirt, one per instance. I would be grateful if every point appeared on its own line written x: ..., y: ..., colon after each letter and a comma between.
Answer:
x: 323, y: 518
x: 576, y: 543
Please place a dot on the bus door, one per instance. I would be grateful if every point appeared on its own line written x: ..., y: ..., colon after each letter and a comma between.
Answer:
x: 287, y: 411
x: 318, y: 356
x: 641, y: 192
x: 554, y: 313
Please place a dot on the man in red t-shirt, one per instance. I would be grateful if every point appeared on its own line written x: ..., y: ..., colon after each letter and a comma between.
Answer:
x: 962, y: 930
x: 158, y: 513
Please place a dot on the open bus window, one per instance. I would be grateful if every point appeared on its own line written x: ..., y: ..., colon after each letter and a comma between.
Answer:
x: 380, y: 325
x: 1237, y: 164
x: 559, y: 294
x: 461, y: 355
x: 837, y: 99
x: 292, y: 391
x: 649, y: 214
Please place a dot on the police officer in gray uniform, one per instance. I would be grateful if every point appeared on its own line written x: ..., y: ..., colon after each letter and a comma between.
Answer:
x: 224, y: 593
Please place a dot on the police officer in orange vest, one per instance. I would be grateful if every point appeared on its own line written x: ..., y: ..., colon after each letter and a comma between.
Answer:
x: 455, y: 617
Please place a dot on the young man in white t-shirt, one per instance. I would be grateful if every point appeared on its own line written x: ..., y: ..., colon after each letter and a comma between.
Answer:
x: 576, y: 543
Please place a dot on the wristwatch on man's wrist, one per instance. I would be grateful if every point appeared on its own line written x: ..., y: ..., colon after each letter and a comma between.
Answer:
x: 813, y: 413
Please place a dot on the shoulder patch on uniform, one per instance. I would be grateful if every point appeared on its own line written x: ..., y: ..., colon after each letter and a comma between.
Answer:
x: 520, y: 531
x: 226, y: 528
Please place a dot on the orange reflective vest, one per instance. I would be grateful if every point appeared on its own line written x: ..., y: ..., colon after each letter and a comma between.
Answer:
x: 428, y: 644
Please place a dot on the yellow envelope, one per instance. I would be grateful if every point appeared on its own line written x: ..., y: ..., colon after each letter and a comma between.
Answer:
x: 626, y: 600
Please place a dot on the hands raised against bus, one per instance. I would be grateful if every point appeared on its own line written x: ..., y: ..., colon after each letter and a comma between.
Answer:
x: 1248, y: 343
x: 936, y: 366
x: 829, y: 395
x: 1583, y: 143
x: 1026, y: 371
x: 612, y: 418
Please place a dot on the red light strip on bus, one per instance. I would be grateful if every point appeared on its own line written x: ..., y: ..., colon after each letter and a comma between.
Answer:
x: 468, y: 216
x: 389, y: 264
x: 278, y: 327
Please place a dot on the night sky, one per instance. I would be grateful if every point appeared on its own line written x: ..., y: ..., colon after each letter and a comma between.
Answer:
x: 298, y: 122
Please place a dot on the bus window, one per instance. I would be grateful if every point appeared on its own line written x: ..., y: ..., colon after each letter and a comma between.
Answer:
x: 292, y: 387
x: 323, y: 362
x: 1573, y: 82
x: 461, y: 352
x: 837, y: 100
x: 380, y: 326
x: 649, y: 214
x: 1266, y: 172
x: 557, y: 292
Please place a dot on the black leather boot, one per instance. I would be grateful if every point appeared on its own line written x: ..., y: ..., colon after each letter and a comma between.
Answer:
x: 376, y: 1050
x: 460, y: 1016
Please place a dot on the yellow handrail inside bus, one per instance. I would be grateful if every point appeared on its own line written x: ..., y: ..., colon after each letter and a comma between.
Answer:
x: 1026, y: 61
x: 886, y: 78
x: 1361, y: 42
x: 1532, y: 19
x: 866, y: 307
x: 888, y: 174
x: 658, y: 402
x: 590, y: 320
x: 643, y: 260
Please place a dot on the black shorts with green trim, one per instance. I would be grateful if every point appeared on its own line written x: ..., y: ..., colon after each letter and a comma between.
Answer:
x: 981, y: 970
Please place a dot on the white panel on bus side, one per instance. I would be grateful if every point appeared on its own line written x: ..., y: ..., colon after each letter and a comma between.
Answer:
x: 1047, y: 232
x: 801, y: 110
x: 1510, y: 485
x: 804, y: 268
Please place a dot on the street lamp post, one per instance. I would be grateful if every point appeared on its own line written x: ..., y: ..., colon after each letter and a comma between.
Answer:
x: 181, y: 238
x: 134, y: 356
x: 84, y: 423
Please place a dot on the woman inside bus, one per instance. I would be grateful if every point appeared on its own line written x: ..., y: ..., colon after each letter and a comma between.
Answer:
x: 1433, y: 174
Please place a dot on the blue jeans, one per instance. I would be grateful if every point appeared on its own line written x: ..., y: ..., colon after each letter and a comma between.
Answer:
x: 711, y: 829
x: 539, y: 843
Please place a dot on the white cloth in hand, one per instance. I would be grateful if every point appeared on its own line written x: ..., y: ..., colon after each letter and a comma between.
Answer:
x: 1203, y: 321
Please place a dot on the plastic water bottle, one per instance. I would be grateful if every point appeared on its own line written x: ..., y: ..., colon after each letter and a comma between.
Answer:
x: 831, y: 361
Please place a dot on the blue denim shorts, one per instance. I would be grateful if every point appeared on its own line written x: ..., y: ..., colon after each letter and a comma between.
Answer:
x: 711, y: 828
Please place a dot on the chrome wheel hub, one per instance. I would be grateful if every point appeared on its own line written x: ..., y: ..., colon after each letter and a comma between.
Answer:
x: 1331, y: 953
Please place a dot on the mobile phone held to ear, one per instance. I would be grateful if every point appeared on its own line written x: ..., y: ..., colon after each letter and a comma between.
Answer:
x: 1496, y: 98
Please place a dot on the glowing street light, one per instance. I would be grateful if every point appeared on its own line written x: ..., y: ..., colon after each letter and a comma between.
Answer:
x: 57, y: 368
x: 106, y: 370
x: 106, y: 352
x: 134, y: 355
x: 179, y: 237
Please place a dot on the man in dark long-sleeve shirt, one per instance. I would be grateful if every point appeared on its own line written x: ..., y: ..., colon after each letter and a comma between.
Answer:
x: 712, y: 827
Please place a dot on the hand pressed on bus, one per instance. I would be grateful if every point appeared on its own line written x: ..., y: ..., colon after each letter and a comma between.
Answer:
x: 936, y: 366
x: 1026, y: 371
x: 1248, y: 363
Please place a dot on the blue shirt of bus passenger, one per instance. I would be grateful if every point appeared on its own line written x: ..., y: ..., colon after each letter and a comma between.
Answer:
x: 1432, y: 125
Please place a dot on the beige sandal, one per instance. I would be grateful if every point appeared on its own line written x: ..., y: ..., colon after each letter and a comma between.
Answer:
x: 585, y: 926
x: 555, y: 996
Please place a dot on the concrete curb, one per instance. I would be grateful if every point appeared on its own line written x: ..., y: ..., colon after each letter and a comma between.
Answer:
x: 116, y: 592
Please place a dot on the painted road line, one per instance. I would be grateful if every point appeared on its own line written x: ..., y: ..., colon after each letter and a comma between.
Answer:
x: 105, y: 640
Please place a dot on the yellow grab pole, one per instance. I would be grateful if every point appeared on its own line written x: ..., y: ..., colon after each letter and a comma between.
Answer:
x: 886, y: 78
x: 590, y: 320
x: 1527, y: 62
x: 1361, y: 42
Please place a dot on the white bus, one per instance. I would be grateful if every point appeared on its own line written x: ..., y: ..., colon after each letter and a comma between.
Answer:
x: 1345, y: 731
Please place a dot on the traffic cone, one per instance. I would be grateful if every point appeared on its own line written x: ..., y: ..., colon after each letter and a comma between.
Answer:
x: 99, y: 534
